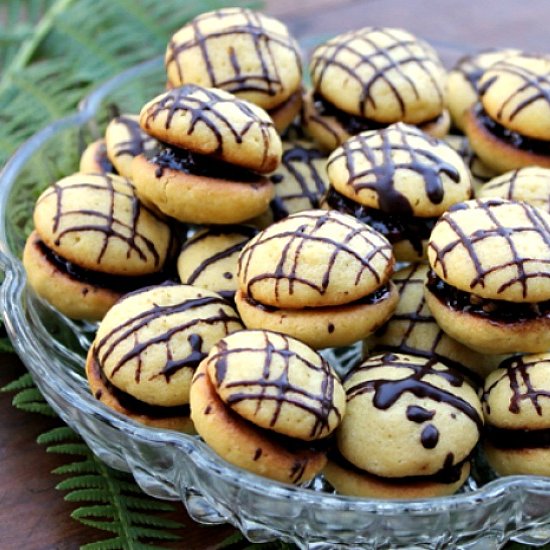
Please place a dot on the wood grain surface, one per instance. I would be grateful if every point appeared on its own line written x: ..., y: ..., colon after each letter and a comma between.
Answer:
x: 33, y: 514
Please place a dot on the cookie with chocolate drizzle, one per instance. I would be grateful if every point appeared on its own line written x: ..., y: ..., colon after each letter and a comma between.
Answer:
x: 317, y: 269
x: 410, y: 428
x: 489, y: 287
x: 148, y: 347
x: 214, y: 148
x: 509, y: 127
x: 94, y: 159
x: 413, y: 329
x: 530, y: 184
x: 463, y: 80
x: 516, y: 405
x: 398, y: 175
x: 244, y: 52
x: 373, y: 77
x: 300, y: 181
x: 266, y: 402
x: 209, y: 258
x: 125, y: 140
x: 94, y: 241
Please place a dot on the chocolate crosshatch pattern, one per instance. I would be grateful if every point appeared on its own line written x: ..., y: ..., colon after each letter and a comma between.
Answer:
x: 281, y: 359
x: 134, y: 140
x: 118, y: 216
x: 370, y: 160
x: 134, y: 338
x: 516, y: 370
x: 313, y: 229
x: 246, y: 25
x: 533, y: 85
x: 361, y: 56
x: 493, y: 227
x: 207, y: 107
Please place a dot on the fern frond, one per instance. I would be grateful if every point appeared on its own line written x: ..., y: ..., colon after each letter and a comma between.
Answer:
x: 31, y: 400
x: 84, y: 467
x: 57, y: 435
x: 23, y: 382
x: 69, y: 449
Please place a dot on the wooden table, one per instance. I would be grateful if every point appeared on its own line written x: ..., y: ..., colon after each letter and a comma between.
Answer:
x: 33, y: 514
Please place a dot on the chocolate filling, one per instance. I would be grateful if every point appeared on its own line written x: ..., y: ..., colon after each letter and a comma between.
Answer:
x: 450, y: 473
x: 167, y: 156
x: 117, y: 283
x: 518, y: 439
x: 395, y: 227
x: 514, y: 139
x: 375, y: 297
x: 137, y: 406
x: 500, y: 311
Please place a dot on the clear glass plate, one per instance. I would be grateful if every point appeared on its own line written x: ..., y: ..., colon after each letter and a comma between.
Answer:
x: 174, y: 466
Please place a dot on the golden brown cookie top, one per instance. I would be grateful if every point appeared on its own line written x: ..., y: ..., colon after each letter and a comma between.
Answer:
x: 517, y: 395
x: 408, y: 415
x: 97, y: 222
x: 278, y: 383
x: 516, y: 93
x: 530, y: 184
x: 209, y: 258
x: 300, y: 181
x: 312, y: 259
x: 125, y: 140
x: 238, y: 50
x: 413, y: 329
x: 151, y: 341
x: 213, y: 122
x: 400, y: 169
x: 494, y: 248
x: 380, y: 73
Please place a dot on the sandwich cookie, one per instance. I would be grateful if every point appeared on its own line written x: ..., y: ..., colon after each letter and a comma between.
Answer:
x: 266, y: 402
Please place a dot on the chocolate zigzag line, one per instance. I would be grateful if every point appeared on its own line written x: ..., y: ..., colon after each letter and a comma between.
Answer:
x: 288, y: 273
x: 516, y: 369
x: 538, y: 226
x: 320, y: 406
x: 381, y: 60
x: 114, y: 228
x: 268, y: 81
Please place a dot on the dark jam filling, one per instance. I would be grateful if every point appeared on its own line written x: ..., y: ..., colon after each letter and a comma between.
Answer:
x: 136, y: 406
x: 353, y: 124
x: 448, y: 474
x: 395, y: 227
x: 496, y: 310
x: 117, y: 283
x: 167, y: 156
x: 516, y: 140
x: 517, y: 439
x: 378, y: 295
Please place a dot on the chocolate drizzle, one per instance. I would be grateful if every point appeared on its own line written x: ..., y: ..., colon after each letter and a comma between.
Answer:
x: 280, y: 388
x: 311, y: 230
x: 501, y: 233
x: 137, y: 140
x: 102, y: 160
x: 412, y: 284
x: 386, y: 66
x: 386, y: 392
x: 244, y: 232
x: 205, y: 108
x: 516, y: 370
x: 304, y: 168
x: 117, y: 197
x: 370, y: 160
x: 130, y: 329
x: 241, y: 23
x: 532, y: 86
x: 517, y: 438
x: 395, y: 227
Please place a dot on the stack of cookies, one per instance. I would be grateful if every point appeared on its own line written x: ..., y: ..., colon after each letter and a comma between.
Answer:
x: 256, y: 222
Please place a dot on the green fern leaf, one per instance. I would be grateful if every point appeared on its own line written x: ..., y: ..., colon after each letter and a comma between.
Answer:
x: 88, y: 495
x: 96, y: 511
x: 84, y: 467
x: 82, y: 482
x: 109, y: 544
x: 31, y: 400
x: 69, y: 449
x: 57, y: 435
x: 23, y: 382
